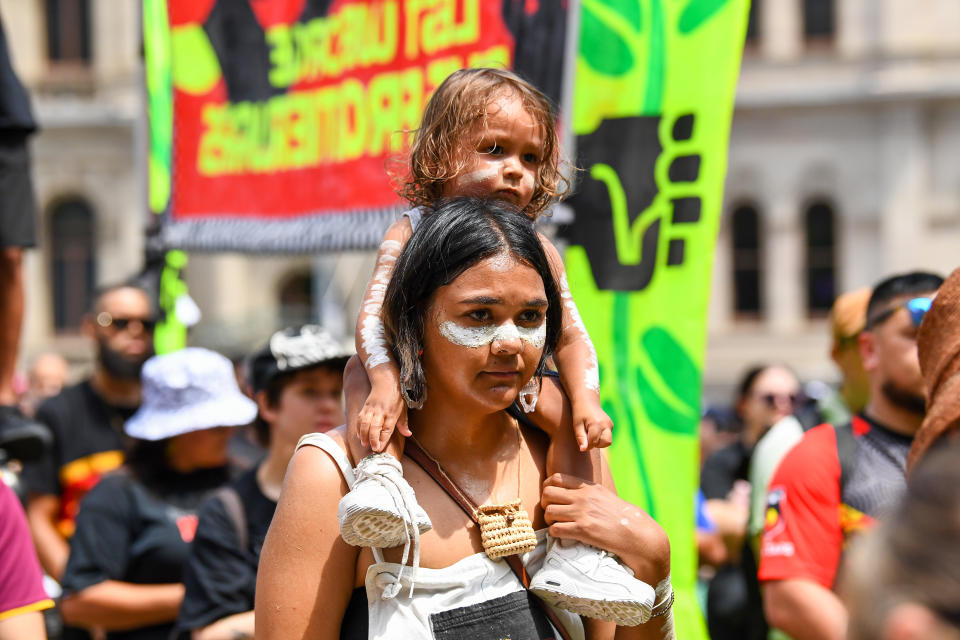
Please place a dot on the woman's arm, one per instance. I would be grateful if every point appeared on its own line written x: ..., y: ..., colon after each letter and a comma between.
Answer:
x: 307, y: 571
x: 118, y: 606
x: 383, y: 409
x: 594, y: 514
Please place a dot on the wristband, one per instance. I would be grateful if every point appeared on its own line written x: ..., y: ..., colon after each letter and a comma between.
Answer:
x: 664, y: 606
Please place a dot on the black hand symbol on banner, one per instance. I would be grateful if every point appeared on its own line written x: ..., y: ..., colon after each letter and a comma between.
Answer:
x: 613, y: 205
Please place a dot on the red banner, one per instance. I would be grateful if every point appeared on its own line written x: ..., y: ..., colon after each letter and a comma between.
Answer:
x: 288, y: 110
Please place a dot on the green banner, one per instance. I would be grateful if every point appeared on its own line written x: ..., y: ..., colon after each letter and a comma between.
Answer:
x: 652, y: 104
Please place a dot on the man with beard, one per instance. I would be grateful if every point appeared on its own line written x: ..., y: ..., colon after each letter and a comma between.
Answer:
x: 839, y: 479
x: 87, y: 421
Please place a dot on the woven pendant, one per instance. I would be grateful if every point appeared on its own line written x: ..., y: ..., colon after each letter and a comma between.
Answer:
x: 505, y: 529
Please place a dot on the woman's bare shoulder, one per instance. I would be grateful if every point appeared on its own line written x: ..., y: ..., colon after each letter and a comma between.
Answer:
x: 312, y: 466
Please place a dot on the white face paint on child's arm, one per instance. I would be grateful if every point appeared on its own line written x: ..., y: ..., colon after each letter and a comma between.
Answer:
x: 573, y: 322
x: 373, y: 341
x: 474, y: 337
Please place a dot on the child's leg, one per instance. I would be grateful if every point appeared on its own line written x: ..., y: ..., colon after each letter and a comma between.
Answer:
x: 553, y: 416
x: 575, y: 576
x: 369, y: 514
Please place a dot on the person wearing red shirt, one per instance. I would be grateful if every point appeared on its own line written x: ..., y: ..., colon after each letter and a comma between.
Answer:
x: 840, y: 478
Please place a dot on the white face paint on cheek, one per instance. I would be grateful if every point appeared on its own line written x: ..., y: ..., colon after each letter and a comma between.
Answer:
x: 475, y: 177
x: 474, y: 337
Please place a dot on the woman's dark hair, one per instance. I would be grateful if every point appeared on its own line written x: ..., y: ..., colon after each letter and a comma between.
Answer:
x: 457, y: 235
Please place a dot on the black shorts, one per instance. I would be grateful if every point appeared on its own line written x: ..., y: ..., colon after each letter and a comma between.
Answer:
x: 18, y: 206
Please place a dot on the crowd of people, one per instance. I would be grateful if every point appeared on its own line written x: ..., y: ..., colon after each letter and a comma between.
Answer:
x: 805, y: 479
x: 448, y: 480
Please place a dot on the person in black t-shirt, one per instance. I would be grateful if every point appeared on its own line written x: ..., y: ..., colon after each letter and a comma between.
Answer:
x: 297, y: 380
x: 86, y: 421
x: 133, y: 531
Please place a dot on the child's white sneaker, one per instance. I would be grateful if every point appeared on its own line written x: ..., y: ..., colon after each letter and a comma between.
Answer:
x: 381, y: 509
x: 592, y: 583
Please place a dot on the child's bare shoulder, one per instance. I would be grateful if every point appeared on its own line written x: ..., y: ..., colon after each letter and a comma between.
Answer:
x: 398, y: 232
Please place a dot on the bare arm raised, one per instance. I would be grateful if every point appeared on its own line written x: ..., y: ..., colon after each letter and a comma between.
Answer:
x: 577, y: 364
x: 384, y: 408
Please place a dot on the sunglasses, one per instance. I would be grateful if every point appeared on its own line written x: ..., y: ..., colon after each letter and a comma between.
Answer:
x: 916, y: 307
x: 773, y: 400
x: 106, y: 320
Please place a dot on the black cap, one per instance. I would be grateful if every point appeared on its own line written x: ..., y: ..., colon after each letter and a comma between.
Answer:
x: 293, y: 349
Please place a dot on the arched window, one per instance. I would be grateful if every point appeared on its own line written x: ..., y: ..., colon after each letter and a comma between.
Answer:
x: 746, y: 260
x: 72, y: 262
x: 296, y: 299
x: 753, y: 27
x: 820, y: 263
x: 68, y: 31
x: 819, y: 20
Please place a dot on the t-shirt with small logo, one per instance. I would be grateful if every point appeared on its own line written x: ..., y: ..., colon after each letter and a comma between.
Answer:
x: 131, y: 532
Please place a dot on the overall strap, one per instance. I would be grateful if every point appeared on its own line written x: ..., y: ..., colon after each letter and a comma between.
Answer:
x: 426, y: 462
x: 325, y: 442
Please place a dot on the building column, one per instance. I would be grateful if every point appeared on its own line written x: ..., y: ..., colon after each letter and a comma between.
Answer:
x: 783, y: 238
x: 905, y: 178
x: 781, y: 29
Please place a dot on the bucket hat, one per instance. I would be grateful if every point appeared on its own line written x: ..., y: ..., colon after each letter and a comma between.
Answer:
x: 188, y: 390
x: 293, y: 349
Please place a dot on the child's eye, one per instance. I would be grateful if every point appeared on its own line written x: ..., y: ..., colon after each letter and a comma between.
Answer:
x: 532, y: 158
x: 494, y: 150
x: 531, y: 316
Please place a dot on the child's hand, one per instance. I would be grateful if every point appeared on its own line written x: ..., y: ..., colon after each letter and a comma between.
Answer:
x: 592, y: 427
x: 383, y: 410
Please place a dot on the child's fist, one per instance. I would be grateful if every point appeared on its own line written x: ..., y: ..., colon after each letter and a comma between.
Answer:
x: 592, y: 427
x: 383, y: 411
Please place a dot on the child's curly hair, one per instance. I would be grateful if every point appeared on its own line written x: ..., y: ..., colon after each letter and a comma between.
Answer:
x: 437, y: 152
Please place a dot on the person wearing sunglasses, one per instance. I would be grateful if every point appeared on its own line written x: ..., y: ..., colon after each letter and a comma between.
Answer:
x: 840, y: 479
x: 86, y: 420
x: 766, y: 394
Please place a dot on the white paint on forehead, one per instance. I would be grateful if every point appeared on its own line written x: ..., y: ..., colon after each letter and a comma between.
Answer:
x: 502, y: 261
x: 474, y: 337
x: 374, y: 342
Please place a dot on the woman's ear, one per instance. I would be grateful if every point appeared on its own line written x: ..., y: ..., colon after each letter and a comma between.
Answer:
x: 267, y: 412
x: 867, y: 341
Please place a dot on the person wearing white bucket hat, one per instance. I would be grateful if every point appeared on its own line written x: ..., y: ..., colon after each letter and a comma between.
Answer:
x: 297, y: 382
x: 124, y: 573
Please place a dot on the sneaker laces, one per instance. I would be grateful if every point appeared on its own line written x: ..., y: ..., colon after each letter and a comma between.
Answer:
x: 381, y: 469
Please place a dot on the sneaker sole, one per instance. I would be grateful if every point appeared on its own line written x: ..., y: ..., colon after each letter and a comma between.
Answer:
x: 373, y: 529
x: 624, y: 613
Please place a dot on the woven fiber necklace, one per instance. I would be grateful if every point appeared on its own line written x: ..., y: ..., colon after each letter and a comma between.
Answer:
x: 505, y: 529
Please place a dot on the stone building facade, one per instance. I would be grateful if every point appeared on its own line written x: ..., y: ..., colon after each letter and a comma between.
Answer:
x: 844, y: 167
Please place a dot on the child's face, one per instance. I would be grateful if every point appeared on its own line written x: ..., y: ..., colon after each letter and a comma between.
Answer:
x: 503, y: 157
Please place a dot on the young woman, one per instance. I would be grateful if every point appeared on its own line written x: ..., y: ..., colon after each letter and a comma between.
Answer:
x: 297, y: 381
x: 471, y: 313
